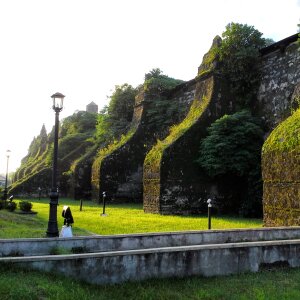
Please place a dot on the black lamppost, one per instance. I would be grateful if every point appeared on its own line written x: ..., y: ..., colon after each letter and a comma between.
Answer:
x: 209, y: 213
x: 52, y: 230
x: 6, y: 177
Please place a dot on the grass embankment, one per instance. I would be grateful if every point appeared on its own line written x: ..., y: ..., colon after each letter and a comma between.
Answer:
x: 125, y: 218
x: 22, y: 284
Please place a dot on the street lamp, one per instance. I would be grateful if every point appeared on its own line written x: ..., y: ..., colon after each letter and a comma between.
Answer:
x: 52, y: 230
x: 6, y: 177
x: 209, y: 213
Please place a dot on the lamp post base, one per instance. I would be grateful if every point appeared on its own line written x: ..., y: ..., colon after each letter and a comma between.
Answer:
x: 52, y: 230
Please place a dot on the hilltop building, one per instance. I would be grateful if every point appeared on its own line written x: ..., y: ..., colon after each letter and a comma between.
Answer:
x: 92, y: 107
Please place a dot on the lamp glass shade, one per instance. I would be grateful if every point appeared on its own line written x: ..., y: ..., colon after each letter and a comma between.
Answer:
x: 58, y: 100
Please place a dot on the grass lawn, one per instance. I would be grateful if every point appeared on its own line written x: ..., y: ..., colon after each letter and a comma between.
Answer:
x: 129, y: 218
x: 125, y: 218
x: 268, y: 285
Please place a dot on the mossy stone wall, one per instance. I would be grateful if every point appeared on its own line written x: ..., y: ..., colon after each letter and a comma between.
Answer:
x: 281, y: 174
x: 280, y: 73
x: 119, y: 172
x: 173, y: 182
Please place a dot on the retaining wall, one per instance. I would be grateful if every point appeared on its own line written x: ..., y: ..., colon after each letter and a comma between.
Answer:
x: 142, y: 256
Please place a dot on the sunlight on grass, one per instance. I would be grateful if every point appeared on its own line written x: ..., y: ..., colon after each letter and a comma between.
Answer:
x: 121, y: 218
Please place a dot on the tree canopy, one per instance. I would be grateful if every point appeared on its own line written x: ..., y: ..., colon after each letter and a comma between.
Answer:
x: 231, y: 152
x: 239, y: 55
x: 114, y: 120
x: 232, y: 146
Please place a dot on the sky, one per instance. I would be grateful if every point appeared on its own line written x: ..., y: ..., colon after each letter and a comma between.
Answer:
x: 83, y: 48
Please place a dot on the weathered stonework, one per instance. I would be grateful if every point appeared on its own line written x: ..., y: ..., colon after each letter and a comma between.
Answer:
x: 119, y: 172
x: 280, y: 74
x: 281, y: 173
x: 279, y: 94
x: 173, y: 183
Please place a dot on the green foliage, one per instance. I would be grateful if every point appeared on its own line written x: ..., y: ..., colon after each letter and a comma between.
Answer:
x: 79, y: 122
x: 232, y: 146
x: 122, y: 102
x: 114, y: 120
x: 231, y: 152
x: 70, y: 142
x: 25, y: 206
x: 75, y: 133
x: 158, y: 83
x: 285, y: 137
x: 161, y: 111
x: 239, y: 55
x: 116, y: 144
x: 153, y: 158
x: 11, y: 206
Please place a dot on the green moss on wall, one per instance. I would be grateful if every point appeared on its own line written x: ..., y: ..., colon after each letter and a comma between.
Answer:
x: 102, y: 154
x: 286, y: 136
x: 154, y: 157
x: 281, y: 174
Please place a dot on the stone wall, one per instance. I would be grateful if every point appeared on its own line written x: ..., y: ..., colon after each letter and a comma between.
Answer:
x: 281, y: 174
x: 279, y: 98
x: 280, y: 67
x: 173, y: 182
x: 119, y: 172
x: 115, y: 259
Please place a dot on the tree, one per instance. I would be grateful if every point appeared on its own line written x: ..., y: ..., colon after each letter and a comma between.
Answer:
x: 231, y: 153
x: 239, y: 55
x: 115, y: 119
x: 162, y: 112
x: 122, y: 102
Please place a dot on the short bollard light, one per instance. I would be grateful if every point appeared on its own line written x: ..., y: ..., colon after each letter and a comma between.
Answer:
x: 80, y: 207
x: 39, y: 191
x: 104, y: 203
x: 209, y: 206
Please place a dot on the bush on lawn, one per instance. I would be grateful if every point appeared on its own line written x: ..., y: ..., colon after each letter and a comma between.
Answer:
x: 25, y: 206
x: 11, y: 206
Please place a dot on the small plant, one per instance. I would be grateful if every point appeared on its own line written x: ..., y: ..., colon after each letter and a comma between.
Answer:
x: 11, y: 206
x: 25, y: 206
x: 60, y: 251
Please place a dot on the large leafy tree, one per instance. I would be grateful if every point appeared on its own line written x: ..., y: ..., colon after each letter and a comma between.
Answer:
x: 239, y: 55
x: 162, y: 112
x: 114, y: 120
x: 231, y: 153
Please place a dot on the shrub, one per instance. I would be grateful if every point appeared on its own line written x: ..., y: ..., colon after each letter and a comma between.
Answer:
x: 231, y: 154
x: 11, y: 206
x: 25, y: 205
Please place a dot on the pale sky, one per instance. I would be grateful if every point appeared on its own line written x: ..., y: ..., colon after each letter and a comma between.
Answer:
x: 83, y: 48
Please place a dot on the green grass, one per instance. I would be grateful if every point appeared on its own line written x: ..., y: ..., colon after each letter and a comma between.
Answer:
x: 125, y: 218
x: 24, y: 284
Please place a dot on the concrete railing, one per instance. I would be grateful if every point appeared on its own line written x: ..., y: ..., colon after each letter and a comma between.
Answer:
x: 217, y: 253
x: 44, y: 246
